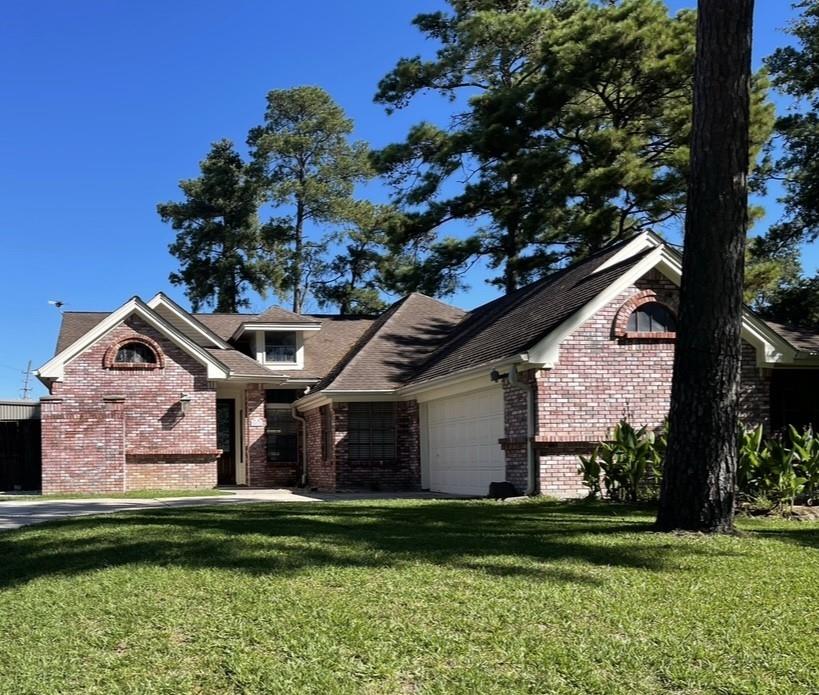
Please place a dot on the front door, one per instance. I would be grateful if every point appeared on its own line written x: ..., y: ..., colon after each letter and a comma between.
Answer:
x: 226, y: 441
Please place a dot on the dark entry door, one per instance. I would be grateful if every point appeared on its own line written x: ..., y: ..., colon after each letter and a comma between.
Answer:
x: 226, y: 441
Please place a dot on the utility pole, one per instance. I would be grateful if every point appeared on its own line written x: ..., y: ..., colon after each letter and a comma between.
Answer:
x: 26, y: 390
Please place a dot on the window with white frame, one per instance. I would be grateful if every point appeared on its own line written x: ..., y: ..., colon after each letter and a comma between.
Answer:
x: 280, y: 346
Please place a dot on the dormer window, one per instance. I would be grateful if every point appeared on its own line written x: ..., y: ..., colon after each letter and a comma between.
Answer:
x: 280, y: 346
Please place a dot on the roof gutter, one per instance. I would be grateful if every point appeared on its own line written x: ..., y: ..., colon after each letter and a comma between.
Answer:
x: 295, y: 415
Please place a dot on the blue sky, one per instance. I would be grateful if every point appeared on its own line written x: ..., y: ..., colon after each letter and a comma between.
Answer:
x: 106, y: 105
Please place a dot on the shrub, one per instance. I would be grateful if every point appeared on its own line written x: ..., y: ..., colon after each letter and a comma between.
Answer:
x: 629, y: 464
x: 772, y: 472
x: 780, y: 469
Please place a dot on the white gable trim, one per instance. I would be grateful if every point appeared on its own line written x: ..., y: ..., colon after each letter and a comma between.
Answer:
x: 160, y: 299
x: 256, y: 327
x: 770, y: 347
x: 55, y: 367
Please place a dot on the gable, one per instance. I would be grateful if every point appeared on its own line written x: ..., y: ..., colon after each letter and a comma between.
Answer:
x: 55, y: 367
x: 511, y: 325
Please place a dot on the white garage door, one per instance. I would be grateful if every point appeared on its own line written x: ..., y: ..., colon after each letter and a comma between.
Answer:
x: 464, y: 454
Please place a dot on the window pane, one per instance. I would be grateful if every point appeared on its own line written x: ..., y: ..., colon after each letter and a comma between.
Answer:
x: 652, y: 318
x: 371, y: 431
x: 136, y: 353
x: 280, y: 346
x: 282, y: 435
x: 643, y: 320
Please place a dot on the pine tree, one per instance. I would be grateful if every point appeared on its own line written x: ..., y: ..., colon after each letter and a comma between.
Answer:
x: 699, y: 474
x: 307, y: 168
x: 571, y: 130
x: 353, y: 278
x: 217, y: 229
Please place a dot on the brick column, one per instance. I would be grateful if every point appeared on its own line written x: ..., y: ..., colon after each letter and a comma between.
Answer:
x: 255, y: 436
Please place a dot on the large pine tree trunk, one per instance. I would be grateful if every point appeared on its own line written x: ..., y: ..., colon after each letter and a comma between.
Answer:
x: 700, y: 467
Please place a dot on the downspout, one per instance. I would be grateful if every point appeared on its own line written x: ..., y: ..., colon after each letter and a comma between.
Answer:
x: 295, y: 415
x: 529, y: 388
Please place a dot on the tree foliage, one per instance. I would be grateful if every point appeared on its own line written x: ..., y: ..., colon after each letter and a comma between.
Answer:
x: 795, y: 71
x: 217, y: 233
x: 307, y: 168
x: 573, y: 133
x: 352, y: 279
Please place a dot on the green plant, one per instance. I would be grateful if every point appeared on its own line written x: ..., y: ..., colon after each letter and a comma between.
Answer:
x: 630, y: 463
x: 591, y: 471
x: 780, y: 469
x: 805, y: 446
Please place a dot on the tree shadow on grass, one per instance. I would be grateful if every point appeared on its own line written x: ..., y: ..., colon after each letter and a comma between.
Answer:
x: 533, y: 541
x: 802, y: 533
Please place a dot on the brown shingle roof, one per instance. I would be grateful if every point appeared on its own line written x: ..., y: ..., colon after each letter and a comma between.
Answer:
x: 75, y: 325
x: 512, y: 324
x: 798, y: 337
x: 275, y: 314
x: 239, y: 364
x: 224, y: 325
x: 394, y: 345
x: 322, y: 349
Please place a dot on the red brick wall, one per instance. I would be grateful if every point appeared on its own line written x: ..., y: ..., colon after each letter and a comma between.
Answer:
x: 83, y: 449
x: 600, y: 378
x: 87, y: 436
x: 171, y: 472
x: 515, y: 432
x: 321, y: 471
x: 754, y: 391
x: 402, y: 474
x: 557, y: 466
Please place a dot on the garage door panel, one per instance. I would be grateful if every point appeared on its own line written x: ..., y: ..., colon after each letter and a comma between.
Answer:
x: 465, y: 455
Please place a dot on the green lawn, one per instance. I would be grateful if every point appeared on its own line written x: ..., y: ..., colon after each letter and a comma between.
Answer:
x: 133, y: 494
x: 406, y: 597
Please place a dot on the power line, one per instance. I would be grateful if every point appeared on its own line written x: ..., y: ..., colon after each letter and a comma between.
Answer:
x: 25, y: 392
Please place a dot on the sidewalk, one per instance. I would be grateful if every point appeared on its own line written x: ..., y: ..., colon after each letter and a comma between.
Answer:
x: 16, y: 514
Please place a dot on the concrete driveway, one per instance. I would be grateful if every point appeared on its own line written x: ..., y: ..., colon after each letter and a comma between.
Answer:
x: 26, y: 512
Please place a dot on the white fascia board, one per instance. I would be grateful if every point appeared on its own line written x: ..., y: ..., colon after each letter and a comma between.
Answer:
x: 644, y: 240
x: 546, y: 352
x: 461, y: 381
x: 55, y: 367
x: 770, y: 347
x: 477, y: 382
x: 314, y: 400
x: 251, y: 327
x: 160, y: 299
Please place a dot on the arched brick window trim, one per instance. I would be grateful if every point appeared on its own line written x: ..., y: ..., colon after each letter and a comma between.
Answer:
x: 109, y: 361
x: 629, y: 307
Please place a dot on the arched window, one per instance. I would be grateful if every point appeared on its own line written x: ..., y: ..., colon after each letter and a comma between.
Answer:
x: 135, y: 353
x: 651, y: 317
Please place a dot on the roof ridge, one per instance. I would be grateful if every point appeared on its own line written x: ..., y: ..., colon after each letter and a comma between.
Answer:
x: 359, y: 344
x: 438, y: 301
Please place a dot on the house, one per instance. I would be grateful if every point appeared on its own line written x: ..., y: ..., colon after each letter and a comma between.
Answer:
x: 424, y: 396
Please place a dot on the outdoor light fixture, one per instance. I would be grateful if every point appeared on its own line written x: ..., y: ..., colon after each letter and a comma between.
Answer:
x: 496, y: 376
x: 184, y: 402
